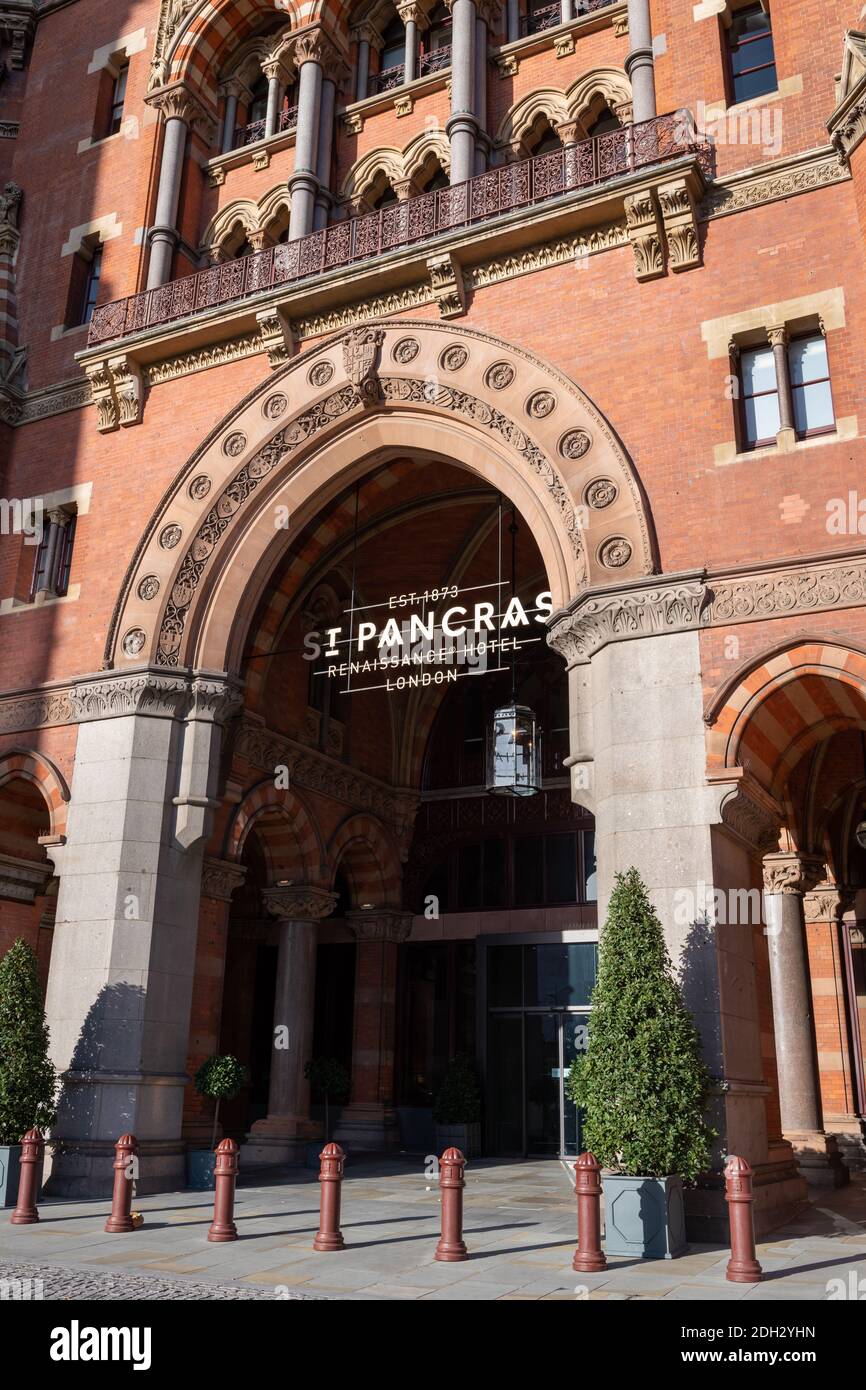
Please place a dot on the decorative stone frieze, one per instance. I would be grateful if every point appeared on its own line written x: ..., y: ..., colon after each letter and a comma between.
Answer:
x: 737, y: 192
x: 220, y: 878
x: 598, y: 617
x: 644, y: 233
x: 39, y: 710
x: 788, y: 872
x: 809, y: 587
x: 299, y: 902
x: 146, y: 692
x: 446, y: 282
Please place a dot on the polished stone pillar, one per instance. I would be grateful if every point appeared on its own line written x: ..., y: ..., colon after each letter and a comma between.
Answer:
x: 462, y: 125
x: 326, y: 144
x: 639, y: 61
x: 180, y: 109
x: 275, y: 88
x: 481, y: 40
x: 778, y: 338
x: 232, y: 90
x: 123, y: 957
x: 369, y: 1121
x: 281, y: 1136
x: 410, y: 15
x: 58, y: 521
x: 566, y: 11
x: 364, y: 35
x: 787, y: 876
x: 310, y: 54
x: 513, y: 20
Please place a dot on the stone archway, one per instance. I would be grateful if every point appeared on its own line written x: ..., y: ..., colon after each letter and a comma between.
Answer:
x: 310, y: 429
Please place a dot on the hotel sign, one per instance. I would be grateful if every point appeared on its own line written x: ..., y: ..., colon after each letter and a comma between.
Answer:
x: 418, y: 639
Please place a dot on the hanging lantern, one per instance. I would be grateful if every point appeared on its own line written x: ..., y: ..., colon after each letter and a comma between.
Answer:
x: 513, y: 752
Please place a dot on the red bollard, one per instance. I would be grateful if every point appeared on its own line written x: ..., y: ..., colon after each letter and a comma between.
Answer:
x: 225, y: 1176
x: 32, y: 1151
x: 125, y: 1155
x: 743, y: 1268
x: 451, y: 1185
x: 329, y: 1236
x: 589, y: 1256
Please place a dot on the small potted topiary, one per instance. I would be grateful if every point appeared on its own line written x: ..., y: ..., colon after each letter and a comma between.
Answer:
x: 329, y: 1080
x: 642, y: 1082
x: 457, y: 1109
x: 218, y: 1078
x: 28, y: 1081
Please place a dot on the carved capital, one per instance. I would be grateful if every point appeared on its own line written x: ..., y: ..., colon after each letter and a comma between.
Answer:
x: 23, y: 880
x: 220, y: 878
x: 380, y: 924
x: 213, y: 700
x: 10, y: 205
x: 680, y: 224
x: 179, y: 102
x: 789, y: 872
x: 299, y: 902
x: 644, y: 233
x: 313, y: 46
x: 828, y: 902
x: 777, y: 335
x: 146, y: 692
x: 748, y: 814
x: 596, y: 619
x: 446, y: 281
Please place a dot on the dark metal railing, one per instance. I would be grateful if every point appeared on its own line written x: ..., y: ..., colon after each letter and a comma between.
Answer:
x: 499, y: 191
x: 387, y: 79
x: 249, y: 134
x: 435, y: 61
x: 537, y: 21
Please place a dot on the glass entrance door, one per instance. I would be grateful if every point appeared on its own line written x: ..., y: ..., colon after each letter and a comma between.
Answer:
x: 529, y: 1055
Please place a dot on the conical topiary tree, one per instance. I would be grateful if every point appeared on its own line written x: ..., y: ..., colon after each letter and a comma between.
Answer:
x: 642, y: 1082
x: 28, y: 1081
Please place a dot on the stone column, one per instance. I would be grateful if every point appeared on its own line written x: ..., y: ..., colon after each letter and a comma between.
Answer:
x: 123, y: 958
x: 462, y: 125
x: 326, y: 143
x: 310, y: 53
x: 778, y: 338
x: 481, y: 40
x: 220, y: 878
x: 639, y: 61
x: 365, y: 36
x: 180, y: 109
x: 281, y: 1136
x: 274, y: 73
x: 787, y: 877
x: 566, y: 11
x: 232, y: 90
x: 369, y: 1121
x: 410, y: 15
x: 58, y: 521
x: 513, y: 20
x: 824, y: 909
x: 10, y: 206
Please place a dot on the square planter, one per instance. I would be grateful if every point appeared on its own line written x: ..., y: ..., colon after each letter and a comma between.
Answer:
x: 199, y: 1169
x: 10, y: 1168
x: 644, y: 1217
x: 466, y: 1138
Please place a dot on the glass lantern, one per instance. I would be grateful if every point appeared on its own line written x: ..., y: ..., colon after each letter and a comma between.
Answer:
x: 513, y: 752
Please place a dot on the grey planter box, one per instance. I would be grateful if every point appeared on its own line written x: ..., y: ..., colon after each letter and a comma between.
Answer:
x: 644, y: 1217
x: 199, y: 1169
x: 10, y: 1168
x: 466, y: 1138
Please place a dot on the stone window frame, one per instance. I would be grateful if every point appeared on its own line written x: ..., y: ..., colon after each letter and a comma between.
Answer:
x: 109, y: 61
x: 72, y: 502
x: 245, y: 66
x: 777, y: 336
x: 726, y: 19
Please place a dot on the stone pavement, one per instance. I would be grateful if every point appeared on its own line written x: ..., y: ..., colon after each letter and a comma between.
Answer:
x: 520, y: 1227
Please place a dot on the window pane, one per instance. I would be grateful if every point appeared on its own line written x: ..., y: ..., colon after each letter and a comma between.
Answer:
x: 755, y: 84
x: 561, y: 868
x: 528, y: 871
x: 813, y: 407
x: 504, y: 976
x: 762, y: 418
x: 807, y: 358
x: 749, y: 21
x: 756, y: 54
x: 590, y: 890
x: 560, y: 975
x: 759, y: 371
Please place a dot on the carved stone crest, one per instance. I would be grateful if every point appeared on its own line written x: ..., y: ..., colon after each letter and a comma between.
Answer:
x: 361, y: 361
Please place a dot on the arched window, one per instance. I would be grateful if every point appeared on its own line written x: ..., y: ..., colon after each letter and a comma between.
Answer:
x: 439, y: 180
x: 387, y: 198
x: 393, y: 45
x: 546, y: 140
x: 604, y: 121
x: 259, y: 102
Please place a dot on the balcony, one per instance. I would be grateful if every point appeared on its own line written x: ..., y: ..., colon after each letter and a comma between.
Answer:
x: 387, y: 79
x: 359, y: 241
x: 436, y: 61
x: 255, y: 131
x: 549, y: 16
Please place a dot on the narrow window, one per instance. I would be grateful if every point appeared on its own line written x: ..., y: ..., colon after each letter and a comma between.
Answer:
x: 54, y: 555
x: 84, y: 284
x: 811, y: 393
x: 751, y: 58
x: 91, y: 284
x: 118, y: 98
x: 760, y: 397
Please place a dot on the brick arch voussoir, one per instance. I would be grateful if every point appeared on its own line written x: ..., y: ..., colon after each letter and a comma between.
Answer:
x: 362, y: 849
x: 312, y: 427
x: 264, y: 801
x: 49, y: 780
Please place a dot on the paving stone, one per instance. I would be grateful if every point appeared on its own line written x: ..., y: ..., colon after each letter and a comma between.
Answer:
x: 62, y: 1282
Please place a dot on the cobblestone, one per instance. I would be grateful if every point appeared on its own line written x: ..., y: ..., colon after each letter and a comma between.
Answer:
x: 68, y: 1284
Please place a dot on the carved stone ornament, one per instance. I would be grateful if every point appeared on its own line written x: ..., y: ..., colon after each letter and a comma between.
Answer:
x: 220, y: 878
x: 601, y: 493
x: 321, y: 373
x: 382, y: 924
x: 405, y: 350
x: 454, y: 357
x: 148, y: 588
x: 361, y: 350
x: 751, y: 820
x: 827, y: 903
x: 199, y: 487
x: 235, y: 444
x: 275, y: 406
x: 134, y: 641
x: 575, y: 444
x: 500, y: 376
x: 787, y: 872
x: 299, y: 902
x: 597, y: 619
x: 540, y: 405
x: 170, y: 536
x: 614, y: 552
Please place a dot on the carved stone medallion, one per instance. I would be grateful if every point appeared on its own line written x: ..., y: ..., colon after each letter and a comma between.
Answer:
x: 148, y: 588
x: 235, y: 444
x: 615, y: 552
x: 601, y: 493
x: 575, y: 444
x: 134, y: 641
x: 199, y: 487
x: 169, y: 536
x: 406, y: 350
x: 321, y: 373
x: 499, y: 376
x: 540, y: 405
x: 454, y: 357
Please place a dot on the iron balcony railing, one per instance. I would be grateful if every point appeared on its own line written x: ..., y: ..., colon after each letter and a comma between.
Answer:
x: 437, y: 60
x: 548, y: 16
x: 250, y: 134
x: 387, y: 79
x: 499, y: 191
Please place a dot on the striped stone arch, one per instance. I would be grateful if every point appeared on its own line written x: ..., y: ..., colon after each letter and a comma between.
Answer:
x: 285, y: 828
x: 314, y: 427
x: 772, y: 712
x: 41, y: 772
x: 363, y: 851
